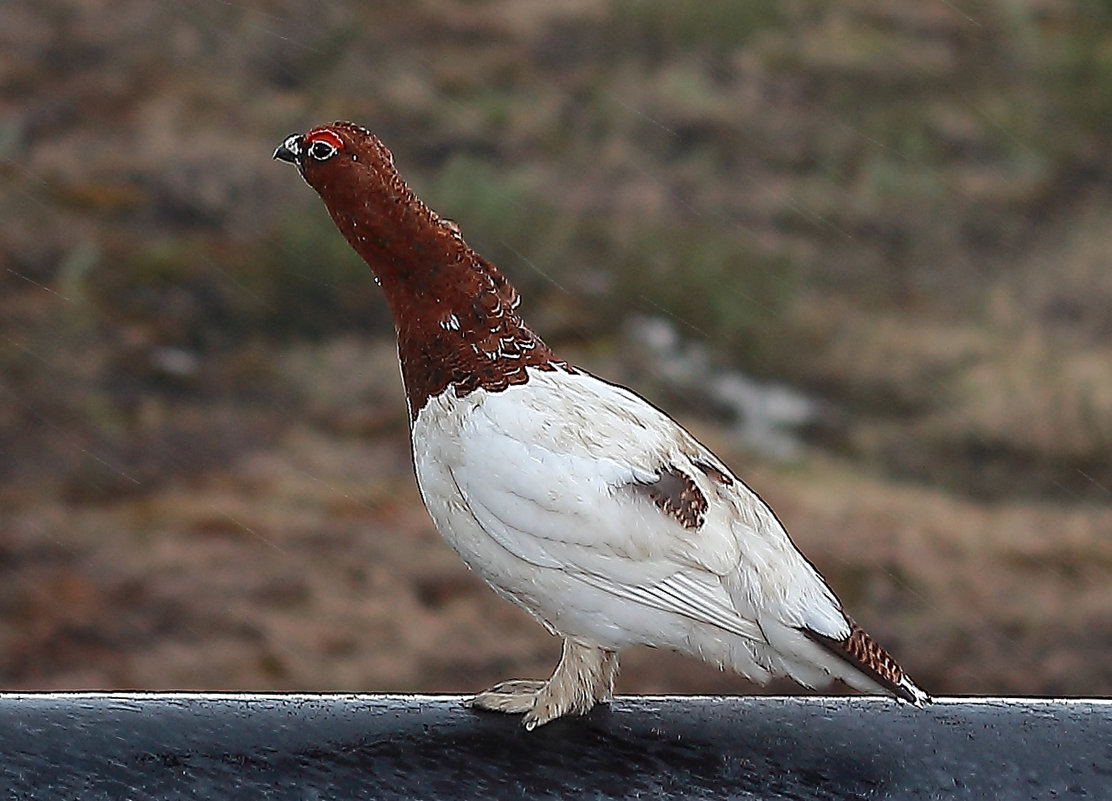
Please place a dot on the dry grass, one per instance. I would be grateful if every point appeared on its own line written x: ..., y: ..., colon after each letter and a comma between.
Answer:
x: 309, y: 565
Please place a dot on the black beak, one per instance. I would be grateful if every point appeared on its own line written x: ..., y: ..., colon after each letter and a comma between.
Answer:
x: 290, y: 150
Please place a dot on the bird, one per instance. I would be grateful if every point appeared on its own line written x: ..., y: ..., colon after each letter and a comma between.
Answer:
x: 572, y: 497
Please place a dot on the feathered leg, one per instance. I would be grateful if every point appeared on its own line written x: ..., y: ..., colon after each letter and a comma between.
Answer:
x: 585, y: 676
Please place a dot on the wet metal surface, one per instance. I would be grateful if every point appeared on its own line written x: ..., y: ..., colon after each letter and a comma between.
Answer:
x: 162, y: 746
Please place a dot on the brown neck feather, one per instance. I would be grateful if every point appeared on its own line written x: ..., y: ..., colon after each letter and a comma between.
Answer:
x: 454, y: 311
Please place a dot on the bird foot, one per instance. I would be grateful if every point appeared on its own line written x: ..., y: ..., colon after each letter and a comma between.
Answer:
x: 512, y: 697
x: 540, y: 701
x: 584, y: 677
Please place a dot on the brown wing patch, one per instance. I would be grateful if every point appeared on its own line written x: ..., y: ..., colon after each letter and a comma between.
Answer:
x: 714, y: 473
x: 676, y: 494
x: 865, y: 653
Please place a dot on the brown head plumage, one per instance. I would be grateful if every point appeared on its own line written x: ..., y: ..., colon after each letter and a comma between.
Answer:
x: 454, y: 311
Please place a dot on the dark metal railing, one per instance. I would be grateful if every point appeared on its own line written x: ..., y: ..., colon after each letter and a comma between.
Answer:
x: 332, y: 747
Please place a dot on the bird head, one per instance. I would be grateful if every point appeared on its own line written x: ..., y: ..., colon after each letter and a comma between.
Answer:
x: 341, y: 161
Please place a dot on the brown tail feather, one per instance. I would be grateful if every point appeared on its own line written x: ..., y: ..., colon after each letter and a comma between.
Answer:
x: 865, y: 654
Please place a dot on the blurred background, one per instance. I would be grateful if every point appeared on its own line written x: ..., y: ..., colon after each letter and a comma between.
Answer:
x: 860, y: 248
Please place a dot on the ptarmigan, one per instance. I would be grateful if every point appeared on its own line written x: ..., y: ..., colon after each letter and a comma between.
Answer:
x: 574, y: 498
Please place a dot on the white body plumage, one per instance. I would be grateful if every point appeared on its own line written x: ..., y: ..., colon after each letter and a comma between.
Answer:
x: 536, y: 487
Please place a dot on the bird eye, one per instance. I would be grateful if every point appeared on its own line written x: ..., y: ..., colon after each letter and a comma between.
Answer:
x: 321, y: 150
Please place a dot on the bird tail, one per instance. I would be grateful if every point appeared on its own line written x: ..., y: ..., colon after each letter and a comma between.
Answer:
x: 857, y: 659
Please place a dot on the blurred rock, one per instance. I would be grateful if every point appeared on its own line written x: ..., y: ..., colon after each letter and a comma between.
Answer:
x: 176, y: 363
x: 767, y: 416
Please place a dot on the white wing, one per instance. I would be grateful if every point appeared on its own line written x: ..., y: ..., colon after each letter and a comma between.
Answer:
x: 555, y: 471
